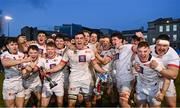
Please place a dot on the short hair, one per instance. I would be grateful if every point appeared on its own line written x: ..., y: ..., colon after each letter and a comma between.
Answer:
x: 134, y: 37
x: 21, y: 35
x: 80, y: 32
x: 33, y: 47
x: 163, y: 37
x: 50, y: 44
x: 143, y: 44
x: 59, y: 36
x: 67, y: 39
x: 43, y: 32
x: 9, y: 40
x: 118, y: 35
x: 86, y: 31
x: 106, y: 36
x: 97, y: 33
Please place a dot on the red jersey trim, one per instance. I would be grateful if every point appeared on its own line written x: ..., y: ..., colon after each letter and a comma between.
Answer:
x: 173, y: 65
x: 64, y: 61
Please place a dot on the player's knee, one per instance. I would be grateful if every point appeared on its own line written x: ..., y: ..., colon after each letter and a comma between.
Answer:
x: 44, y: 104
x: 60, y: 104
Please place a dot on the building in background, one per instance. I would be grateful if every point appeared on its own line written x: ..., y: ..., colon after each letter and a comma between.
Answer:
x: 31, y: 32
x: 68, y: 29
x: 129, y: 33
x: 159, y: 26
x: 107, y: 31
x: 167, y: 26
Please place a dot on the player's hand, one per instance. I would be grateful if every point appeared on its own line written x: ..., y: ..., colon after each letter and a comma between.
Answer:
x: 27, y: 59
x: 32, y: 65
x: 137, y: 67
x: 46, y: 71
x: 156, y: 66
x: 160, y: 96
x: 153, y: 64
x: 140, y: 35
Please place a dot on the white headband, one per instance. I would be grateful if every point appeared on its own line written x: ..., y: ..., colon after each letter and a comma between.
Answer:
x: 164, y: 42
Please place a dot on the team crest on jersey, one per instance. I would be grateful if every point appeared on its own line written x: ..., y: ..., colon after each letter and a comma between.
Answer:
x: 14, y: 58
x: 82, y: 58
x: 40, y: 51
x: 52, y: 65
x: 141, y: 70
x: 117, y: 56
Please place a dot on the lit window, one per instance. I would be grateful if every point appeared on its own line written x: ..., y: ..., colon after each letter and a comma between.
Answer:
x: 160, y: 28
x: 153, y: 40
x: 174, y: 27
x: 174, y: 37
x: 167, y: 28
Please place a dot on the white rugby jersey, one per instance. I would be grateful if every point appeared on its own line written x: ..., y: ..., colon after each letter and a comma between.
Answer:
x: 79, y: 61
x: 42, y: 49
x: 171, y: 58
x: 122, y: 63
x: 13, y: 71
x: 60, y: 51
x: 47, y: 63
x: 148, y: 79
x: 92, y: 46
x: 107, y: 53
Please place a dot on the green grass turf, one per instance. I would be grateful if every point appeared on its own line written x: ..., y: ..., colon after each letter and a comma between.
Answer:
x: 177, y: 83
x: 1, y: 85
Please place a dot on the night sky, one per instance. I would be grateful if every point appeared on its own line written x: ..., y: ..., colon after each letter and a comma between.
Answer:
x: 113, y: 14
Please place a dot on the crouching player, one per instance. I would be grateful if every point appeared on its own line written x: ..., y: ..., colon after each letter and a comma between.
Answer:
x: 148, y: 80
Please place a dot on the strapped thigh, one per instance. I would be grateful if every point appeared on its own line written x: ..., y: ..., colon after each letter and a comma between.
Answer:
x: 72, y: 96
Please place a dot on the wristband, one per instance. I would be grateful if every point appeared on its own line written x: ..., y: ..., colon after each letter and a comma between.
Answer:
x: 159, y: 68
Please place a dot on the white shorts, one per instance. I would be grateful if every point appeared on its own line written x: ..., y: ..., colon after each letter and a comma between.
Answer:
x: 58, y: 89
x: 124, y: 87
x: 77, y: 87
x: 140, y: 96
x: 171, y: 91
x: 12, y: 88
x: 33, y: 87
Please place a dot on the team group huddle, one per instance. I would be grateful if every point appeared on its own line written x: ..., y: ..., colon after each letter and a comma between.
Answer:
x: 78, y: 69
